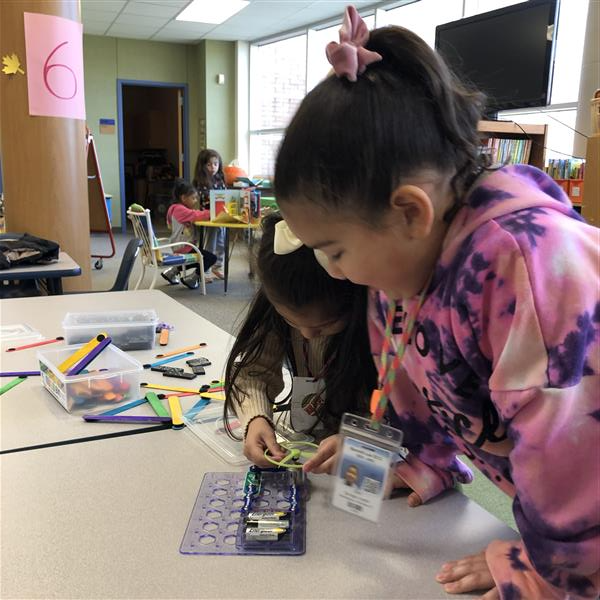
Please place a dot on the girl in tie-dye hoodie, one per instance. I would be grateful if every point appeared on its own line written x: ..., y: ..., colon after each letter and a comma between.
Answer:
x: 380, y: 169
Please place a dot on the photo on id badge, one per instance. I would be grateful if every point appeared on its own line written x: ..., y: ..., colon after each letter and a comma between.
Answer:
x: 360, y: 480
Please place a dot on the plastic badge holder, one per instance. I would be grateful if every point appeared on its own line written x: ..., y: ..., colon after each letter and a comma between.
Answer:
x: 129, y: 329
x: 216, y: 525
x: 19, y: 331
x: 118, y: 383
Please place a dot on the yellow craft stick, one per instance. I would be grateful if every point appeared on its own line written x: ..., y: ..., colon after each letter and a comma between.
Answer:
x: 176, y: 416
x: 212, y: 396
x: 83, y: 351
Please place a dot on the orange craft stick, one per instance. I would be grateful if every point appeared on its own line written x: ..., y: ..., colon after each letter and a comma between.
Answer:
x: 174, y: 352
x: 163, y: 340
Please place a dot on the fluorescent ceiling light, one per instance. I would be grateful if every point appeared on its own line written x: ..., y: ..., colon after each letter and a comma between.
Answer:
x: 211, y: 11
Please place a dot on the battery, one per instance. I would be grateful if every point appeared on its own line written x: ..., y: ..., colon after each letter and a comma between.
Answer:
x: 263, y: 535
x: 268, y: 524
x: 258, y: 515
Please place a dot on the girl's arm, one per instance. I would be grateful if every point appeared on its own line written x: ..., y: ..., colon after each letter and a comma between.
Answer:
x: 536, y: 318
x: 189, y: 215
x: 431, y: 465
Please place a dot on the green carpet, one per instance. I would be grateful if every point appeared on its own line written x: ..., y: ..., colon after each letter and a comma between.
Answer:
x: 488, y: 496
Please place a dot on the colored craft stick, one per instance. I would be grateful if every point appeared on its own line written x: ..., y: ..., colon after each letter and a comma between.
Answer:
x: 180, y: 394
x: 202, y: 403
x: 167, y: 360
x: 11, y: 384
x: 194, y: 347
x: 19, y: 373
x: 176, y: 415
x: 125, y: 419
x: 156, y: 405
x: 60, y: 338
x: 212, y: 396
x: 163, y: 339
x: 77, y: 356
x: 88, y: 358
x: 120, y: 409
x: 169, y: 388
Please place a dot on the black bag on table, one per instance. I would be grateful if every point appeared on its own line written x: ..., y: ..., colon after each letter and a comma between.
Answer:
x: 19, y: 249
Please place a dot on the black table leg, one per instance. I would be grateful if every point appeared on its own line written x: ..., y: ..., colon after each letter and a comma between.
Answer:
x: 54, y: 286
x: 226, y: 258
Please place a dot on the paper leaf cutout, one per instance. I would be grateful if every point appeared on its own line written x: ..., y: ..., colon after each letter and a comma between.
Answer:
x: 12, y: 64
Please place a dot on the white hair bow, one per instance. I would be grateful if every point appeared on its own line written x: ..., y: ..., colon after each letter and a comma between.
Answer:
x: 285, y: 242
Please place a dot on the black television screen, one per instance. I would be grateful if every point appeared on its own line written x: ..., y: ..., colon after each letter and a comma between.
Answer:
x: 507, y: 53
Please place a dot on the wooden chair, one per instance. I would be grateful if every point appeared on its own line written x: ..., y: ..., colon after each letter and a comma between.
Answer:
x: 152, y: 250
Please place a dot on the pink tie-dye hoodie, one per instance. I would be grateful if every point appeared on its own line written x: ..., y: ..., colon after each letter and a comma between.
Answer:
x: 503, y: 366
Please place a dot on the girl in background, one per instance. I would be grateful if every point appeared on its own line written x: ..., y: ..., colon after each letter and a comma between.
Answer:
x: 180, y: 219
x: 488, y: 281
x: 208, y: 175
x: 309, y: 321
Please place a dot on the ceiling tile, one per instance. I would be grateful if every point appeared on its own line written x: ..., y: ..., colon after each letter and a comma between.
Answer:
x: 143, y: 21
x: 130, y: 31
x: 94, y: 29
x: 152, y: 10
x: 105, y: 6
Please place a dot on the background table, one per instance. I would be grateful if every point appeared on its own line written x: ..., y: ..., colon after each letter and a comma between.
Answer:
x: 30, y: 415
x: 249, y: 227
x: 52, y: 273
x: 106, y: 519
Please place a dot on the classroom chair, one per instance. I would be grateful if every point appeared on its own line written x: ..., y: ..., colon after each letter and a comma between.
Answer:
x: 152, y: 250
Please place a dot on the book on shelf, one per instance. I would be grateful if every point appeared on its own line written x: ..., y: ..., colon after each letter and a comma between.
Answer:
x: 508, y: 151
x: 565, y: 168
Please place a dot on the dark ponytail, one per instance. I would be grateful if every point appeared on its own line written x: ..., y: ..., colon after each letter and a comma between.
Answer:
x: 354, y: 141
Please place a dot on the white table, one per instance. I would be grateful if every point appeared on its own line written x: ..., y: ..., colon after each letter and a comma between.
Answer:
x: 106, y: 519
x: 52, y: 273
x: 30, y: 415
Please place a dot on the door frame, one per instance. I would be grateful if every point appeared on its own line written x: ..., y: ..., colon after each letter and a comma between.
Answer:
x: 186, y: 149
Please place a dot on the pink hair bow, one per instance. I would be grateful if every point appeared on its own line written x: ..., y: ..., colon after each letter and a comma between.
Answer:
x: 350, y: 58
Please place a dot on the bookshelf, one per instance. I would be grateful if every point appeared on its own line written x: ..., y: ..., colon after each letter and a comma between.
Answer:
x: 510, y: 130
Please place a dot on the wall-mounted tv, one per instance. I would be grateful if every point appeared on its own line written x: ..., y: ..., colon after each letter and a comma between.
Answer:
x: 507, y: 53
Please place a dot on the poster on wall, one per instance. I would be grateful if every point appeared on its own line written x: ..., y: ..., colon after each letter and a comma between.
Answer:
x: 54, y: 48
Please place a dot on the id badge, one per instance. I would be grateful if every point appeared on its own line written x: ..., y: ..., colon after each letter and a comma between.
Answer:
x: 364, y: 466
x: 308, y: 397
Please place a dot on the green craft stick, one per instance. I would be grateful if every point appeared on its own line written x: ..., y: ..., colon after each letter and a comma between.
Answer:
x: 11, y: 384
x: 156, y: 404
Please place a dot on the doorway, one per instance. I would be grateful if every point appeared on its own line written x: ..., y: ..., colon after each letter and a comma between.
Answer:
x: 153, y: 145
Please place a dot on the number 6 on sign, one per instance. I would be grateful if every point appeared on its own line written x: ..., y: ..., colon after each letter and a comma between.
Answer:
x: 54, y: 49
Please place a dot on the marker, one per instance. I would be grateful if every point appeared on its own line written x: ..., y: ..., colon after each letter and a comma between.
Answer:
x: 176, y: 415
x: 19, y: 373
x: 194, y: 347
x: 11, y: 384
x: 163, y: 339
x: 167, y: 360
x: 88, y: 358
x: 60, y: 338
x: 125, y: 419
x: 120, y: 409
x: 156, y: 405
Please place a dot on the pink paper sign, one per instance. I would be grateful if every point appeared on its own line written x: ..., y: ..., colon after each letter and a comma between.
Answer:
x: 54, y: 49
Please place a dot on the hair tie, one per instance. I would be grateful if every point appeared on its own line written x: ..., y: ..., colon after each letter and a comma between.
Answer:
x: 285, y: 242
x: 350, y: 58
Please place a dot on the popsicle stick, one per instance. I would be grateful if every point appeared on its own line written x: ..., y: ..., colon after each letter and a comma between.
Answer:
x: 173, y: 352
x: 79, y: 354
x: 176, y: 415
x: 157, y: 405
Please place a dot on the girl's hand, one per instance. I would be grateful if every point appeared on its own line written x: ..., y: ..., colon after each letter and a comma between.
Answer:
x: 259, y: 437
x: 468, y: 574
x: 395, y: 482
x: 324, y: 459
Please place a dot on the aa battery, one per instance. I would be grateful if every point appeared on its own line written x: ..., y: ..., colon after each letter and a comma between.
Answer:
x: 267, y: 523
x: 264, y: 535
x: 260, y: 515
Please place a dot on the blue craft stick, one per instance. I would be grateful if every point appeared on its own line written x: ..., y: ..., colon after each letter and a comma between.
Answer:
x: 88, y: 358
x: 120, y: 409
x: 19, y: 373
x: 164, y: 361
x: 196, y: 408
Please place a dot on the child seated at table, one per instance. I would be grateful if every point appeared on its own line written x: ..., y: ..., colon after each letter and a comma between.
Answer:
x: 314, y: 324
x: 180, y: 219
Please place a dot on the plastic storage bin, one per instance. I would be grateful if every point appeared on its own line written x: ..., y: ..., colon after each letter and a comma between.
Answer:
x: 120, y: 381
x: 129, y: 329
